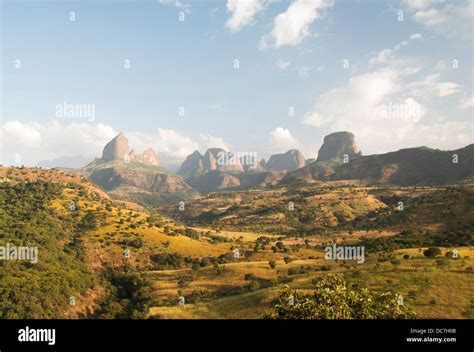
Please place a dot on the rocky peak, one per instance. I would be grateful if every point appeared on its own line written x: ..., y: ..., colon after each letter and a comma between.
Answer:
x: 336, y: 145
x: 118, y: 149
x: 193, y: 163
x: 213, y: 159
x: 291, y: 160
x: 150, y: 157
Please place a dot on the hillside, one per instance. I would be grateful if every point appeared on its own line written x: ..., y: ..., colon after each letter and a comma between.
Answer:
x: 147, y: 184
x: 229, y: 254
x: 214, y: 180
x: 82, y: 237
x: 412, y: 166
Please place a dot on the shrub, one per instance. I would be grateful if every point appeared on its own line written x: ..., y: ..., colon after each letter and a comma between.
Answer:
x: 432, y: 252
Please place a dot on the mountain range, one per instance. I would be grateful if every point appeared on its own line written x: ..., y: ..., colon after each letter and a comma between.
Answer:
x: 128, y: 175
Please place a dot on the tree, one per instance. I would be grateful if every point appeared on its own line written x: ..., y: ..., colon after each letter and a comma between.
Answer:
x: 287, y: 260
x: 272, y: 264
x: 335, y: 299
x: 280, y: 245
x: 249, y: 277
x: 432, y: 252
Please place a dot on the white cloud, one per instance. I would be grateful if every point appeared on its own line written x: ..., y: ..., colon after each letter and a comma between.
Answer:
x: 282, y: 139
x: 207, y: 141
x: 416, y: 36
x: 430, y: 17
x: 35, y: 141
x: 441, y: 65
x: 416, y: 4
x: 171, y: 146
x: 384, y: 113
x: 177, y: 3
x: 431, y: 86
x: 242, y: 13
x: 387, y: 55
x: 466, y: 103
x: 283, y: 64
x: 362, y: 95
x: 26, y: 136
x: 382, y: 57
x: 292, y: 26
x: 451, y: 19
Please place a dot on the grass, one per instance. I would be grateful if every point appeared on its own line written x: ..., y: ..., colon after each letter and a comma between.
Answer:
x: 430, y: 290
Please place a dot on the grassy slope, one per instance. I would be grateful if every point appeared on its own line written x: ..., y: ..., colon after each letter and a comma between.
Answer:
x: 419, y: 279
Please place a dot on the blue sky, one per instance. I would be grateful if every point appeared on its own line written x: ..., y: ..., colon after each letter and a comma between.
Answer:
x: 290, y: 55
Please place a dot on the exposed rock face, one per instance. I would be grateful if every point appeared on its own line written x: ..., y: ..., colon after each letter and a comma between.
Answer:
x: 220, y: 159
x: 193, y: 163
x: 149, y: 157
x: 127, y: 180
x: 118, y: 149
x: 336, y: 145
x: 309, y: 161
x: 209, y: 161
x: 256, y: 166
x: 213, y: 159
x: 291, y: 160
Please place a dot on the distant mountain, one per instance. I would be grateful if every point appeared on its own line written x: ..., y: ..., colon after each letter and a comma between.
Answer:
x: 337, y: 145
x: 412, y: 166
x: 127, y: 175
x: 291, y: 160
x: 192, y: 164
x: 64, y: 162
x: 219, y: 169
x: 221, y: 160
x: 214, y: 159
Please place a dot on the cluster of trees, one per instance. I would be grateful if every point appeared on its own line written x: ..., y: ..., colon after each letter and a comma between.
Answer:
x: 166, y: 261
x: 333, y: 298
x: 42, y: 289
x: 412, y: 239
x: 129, y: 295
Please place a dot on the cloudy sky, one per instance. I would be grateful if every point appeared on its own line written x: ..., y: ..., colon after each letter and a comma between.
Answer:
x: 248, y: 75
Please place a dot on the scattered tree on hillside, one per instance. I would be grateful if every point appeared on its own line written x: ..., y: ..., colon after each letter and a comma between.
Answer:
x: 432, y: 252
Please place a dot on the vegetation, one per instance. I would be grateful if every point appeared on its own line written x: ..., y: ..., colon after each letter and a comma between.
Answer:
x: 42, y: 289
x: 231, y: 253
x: 333, y: 299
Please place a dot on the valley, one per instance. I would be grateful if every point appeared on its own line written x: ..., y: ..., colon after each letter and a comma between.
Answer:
x: 230, y: 254
x: 123, y: 237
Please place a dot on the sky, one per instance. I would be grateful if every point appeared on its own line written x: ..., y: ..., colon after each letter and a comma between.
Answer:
x: 258, y: 76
